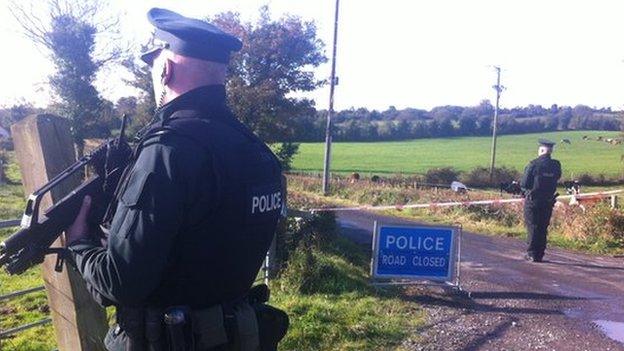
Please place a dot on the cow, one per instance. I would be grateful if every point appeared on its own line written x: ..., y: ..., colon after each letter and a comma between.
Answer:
x: 511, y: 188
x: 572, y: 187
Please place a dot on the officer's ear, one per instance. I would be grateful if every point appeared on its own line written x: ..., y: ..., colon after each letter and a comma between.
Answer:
x: 167, y: 72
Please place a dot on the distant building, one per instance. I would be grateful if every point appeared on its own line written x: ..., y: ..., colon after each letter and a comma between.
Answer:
x: 4, y: 133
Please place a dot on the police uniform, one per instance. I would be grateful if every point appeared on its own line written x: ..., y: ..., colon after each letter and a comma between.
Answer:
x: 539, y: 184
x: 198, y: 205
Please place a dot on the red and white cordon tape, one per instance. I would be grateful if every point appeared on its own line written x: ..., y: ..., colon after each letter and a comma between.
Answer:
x: 577, y: 197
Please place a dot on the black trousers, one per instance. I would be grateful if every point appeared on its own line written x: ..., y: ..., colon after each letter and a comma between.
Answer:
x: 536, y: 219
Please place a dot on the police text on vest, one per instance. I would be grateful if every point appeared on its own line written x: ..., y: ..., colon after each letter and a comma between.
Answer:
x: 265, y: 203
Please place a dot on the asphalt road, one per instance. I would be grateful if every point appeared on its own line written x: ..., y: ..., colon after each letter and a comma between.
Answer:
x: 572, y: 301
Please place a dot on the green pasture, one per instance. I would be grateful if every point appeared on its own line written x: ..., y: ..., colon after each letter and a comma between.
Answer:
x: 28, y: 308
x: 464, y: 153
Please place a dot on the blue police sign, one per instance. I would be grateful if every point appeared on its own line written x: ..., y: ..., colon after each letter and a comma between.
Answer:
x: 414, y: 252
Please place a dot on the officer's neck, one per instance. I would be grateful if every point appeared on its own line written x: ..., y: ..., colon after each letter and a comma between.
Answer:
x: 173, y: 91
x: 205, y: 98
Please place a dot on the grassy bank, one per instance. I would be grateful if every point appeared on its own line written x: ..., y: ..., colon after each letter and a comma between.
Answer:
x: 28, y: 308
x: 464, y: 153
x: 597, y: 230
x: 324, y: 287
x: 325, y: 292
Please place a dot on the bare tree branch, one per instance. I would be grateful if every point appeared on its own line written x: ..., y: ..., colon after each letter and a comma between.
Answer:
x: 33, y: 28
x: 110, y: 46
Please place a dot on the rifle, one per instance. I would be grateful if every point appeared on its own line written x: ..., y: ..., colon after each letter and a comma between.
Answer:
x: 28, y: 246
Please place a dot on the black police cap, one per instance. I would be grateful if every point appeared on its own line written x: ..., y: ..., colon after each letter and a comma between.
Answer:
x: 189, y: 37
x: 546, y: 142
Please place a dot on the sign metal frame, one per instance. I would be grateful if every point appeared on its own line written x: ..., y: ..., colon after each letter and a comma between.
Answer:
x: 453, y: 279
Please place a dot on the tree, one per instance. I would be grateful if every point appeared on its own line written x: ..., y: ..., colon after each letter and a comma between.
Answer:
x: 444, y: 128
x: 484, y: 125
x: 466, y: 126
x: 70, y: 40
x: 485, y: 108
x: 16, y: 113
x: 145, y: 104
x: 401, y: 130
x: 126, y: 105
x: 348, y: 131
x: 446, y: 112
x: 563, y: 118
x: 418, y: 129
x: 385, y: 130
x: 550, y: 122
x: 276, y: 60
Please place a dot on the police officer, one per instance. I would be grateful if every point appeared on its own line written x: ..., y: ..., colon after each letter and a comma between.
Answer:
x: 197, y: 207
x: 539, y: 184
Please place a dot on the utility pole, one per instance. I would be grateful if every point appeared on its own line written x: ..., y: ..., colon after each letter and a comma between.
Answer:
x: 330, y: 113
x: 498, y: 89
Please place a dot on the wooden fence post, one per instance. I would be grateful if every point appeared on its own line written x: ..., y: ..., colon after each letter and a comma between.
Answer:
x: 614, y: 201
x: 44, y: 147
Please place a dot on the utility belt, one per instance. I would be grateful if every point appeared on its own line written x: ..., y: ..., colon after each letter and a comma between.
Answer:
x: 533, y: 197
x: 248, y: 324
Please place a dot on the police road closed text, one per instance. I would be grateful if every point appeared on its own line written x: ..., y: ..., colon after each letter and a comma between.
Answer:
x: 416, y: 261
x: 427, y: 243
x: 414, y: 252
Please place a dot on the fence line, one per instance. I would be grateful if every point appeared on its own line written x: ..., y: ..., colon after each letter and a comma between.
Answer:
x: 603, y: 194
x: 8, y: 332
x: 11, y: 331
x: 20, y: 293
x: 10, y: 223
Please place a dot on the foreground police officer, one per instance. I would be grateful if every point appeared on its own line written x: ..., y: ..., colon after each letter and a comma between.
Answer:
x: 197, y: 209
x: 539, y: 185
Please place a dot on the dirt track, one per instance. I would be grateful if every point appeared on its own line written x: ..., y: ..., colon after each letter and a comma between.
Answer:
x: 569, y: 302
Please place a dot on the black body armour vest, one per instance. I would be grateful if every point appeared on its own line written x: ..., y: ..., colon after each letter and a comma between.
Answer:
x: 545, y: 179
x: 222, y: 245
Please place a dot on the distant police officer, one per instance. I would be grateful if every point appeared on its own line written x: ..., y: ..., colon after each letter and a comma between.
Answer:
x: 539, y: 185
x: 197, y: 209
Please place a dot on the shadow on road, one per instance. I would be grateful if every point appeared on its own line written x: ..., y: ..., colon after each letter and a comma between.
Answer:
x: 582, y: 265
x: 438, y: 322
x: 472, y: 305
x: 358, y: 235
x: 519, y: 295
x: 494, y: 334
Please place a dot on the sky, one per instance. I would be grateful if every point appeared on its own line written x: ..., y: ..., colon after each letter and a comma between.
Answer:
x: 402, y: 53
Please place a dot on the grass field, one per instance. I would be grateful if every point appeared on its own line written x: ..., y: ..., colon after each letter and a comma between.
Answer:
x: 27, y: 308
x: 465, y: 153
